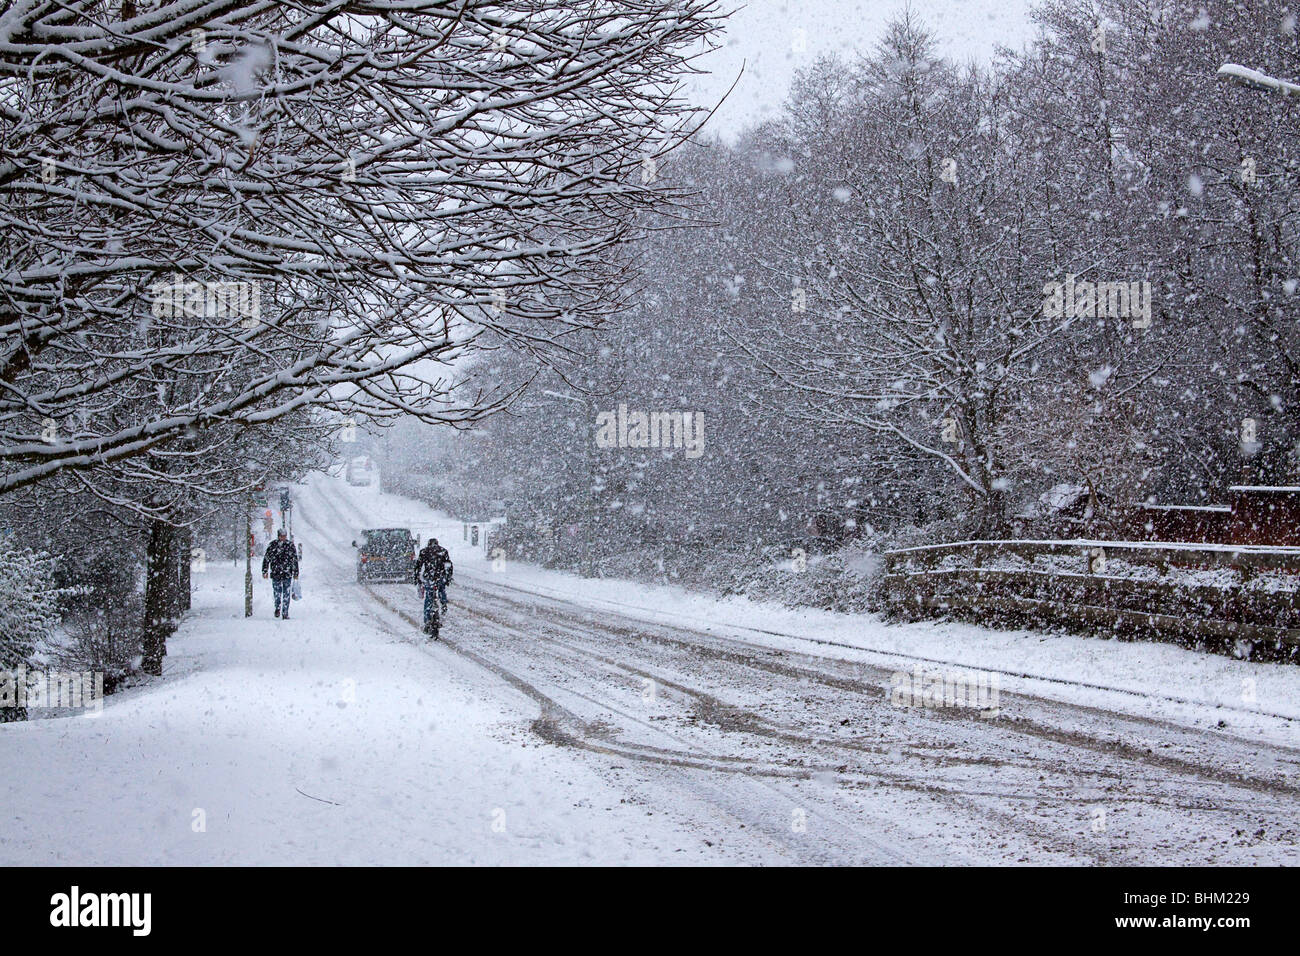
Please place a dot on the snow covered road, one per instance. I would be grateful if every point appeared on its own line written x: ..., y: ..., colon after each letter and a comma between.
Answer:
x: 808, y: 751
x: 549, y: 726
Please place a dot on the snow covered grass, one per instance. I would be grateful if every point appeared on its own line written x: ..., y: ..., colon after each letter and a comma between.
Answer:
x: 842, y: 581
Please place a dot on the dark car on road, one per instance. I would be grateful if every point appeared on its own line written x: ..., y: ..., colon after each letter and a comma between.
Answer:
x: 386, y: 554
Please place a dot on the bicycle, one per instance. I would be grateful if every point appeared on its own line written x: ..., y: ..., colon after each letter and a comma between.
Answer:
x: 432, y: 610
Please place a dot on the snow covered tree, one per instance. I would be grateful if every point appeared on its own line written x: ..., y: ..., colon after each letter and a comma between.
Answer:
x: 308, y: 205
x: 927, y: 295
x: 924, y: 274
x: 1151, y: 167
x: 29, y: 614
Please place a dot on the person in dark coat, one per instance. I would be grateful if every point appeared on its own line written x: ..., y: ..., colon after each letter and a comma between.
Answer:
x: 280, y: 563
x: 433, y: 570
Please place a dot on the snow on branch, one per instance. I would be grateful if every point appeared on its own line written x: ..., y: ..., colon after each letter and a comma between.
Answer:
x: 218, y: 214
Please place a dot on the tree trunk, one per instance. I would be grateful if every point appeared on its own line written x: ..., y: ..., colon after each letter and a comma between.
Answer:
x: 159, y: 595
x: 993, y: 514
x: 172, y: 596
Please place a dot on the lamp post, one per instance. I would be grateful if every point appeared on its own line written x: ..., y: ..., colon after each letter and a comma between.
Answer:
x: 1244, y: 76
x: 248, y: 560
x: 1255, y: 80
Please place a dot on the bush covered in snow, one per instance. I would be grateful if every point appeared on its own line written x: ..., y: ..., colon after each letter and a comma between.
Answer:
x: 103, y: 621
x: 29, y: 609
x: 845, y: 580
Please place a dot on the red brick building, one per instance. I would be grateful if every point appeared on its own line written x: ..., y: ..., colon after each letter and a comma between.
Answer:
x: 1254, y: 514
x: 1209, y: 524
x: 1265, y: 514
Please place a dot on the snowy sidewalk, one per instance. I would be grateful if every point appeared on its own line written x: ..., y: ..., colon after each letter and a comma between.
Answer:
x: 331, y: 738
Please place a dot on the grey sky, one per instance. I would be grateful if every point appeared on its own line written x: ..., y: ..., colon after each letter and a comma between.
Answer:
x: 762, y: 37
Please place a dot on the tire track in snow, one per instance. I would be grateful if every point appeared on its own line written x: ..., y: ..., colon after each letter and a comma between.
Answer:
x: 572, y: 734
